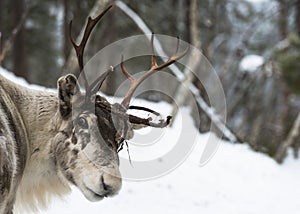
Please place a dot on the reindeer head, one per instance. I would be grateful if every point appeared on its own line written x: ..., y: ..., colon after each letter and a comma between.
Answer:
x: 92, y: 130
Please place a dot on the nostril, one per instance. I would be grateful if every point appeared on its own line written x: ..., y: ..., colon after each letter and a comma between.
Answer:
x: 110, y: 184
x: 106, y: 187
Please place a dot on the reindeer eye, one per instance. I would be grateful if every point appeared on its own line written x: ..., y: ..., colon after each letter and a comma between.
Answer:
x: 82, y: 123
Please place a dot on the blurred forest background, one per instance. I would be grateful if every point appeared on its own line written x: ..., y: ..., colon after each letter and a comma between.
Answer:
x: 262, y: 98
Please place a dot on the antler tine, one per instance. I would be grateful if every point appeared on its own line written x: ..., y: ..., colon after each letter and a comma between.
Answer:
x: 153, y: 57
x: 95, y: 86
x: 91, y: 23
x: 79, y: 54
x: 134, y: 83
x: 125, y: 72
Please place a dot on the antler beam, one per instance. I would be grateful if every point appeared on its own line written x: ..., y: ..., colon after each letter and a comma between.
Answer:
x: 91, y: 23
x: 134, y: 83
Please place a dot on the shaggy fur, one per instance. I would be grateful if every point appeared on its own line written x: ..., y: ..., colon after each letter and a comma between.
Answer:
x: 45, y: 144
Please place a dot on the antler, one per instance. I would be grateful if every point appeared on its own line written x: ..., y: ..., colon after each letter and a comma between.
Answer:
x: 134, y: 83
x: 80, y: 48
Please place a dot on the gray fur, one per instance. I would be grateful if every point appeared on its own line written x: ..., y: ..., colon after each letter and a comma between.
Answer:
x: 44, y: 147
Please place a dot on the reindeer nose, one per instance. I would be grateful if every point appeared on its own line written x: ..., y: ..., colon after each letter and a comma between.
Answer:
x: 111, y: 184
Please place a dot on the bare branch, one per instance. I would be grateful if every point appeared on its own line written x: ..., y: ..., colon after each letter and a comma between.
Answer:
x: 7, y: 44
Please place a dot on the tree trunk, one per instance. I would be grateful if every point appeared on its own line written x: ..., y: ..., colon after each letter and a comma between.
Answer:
x: 194, y: 33
x: 282, y: 19
x: 297, y: 19
x: 65, y: 30
x: 187, y: 18
x: 18, y: 50
x: 292, y: 136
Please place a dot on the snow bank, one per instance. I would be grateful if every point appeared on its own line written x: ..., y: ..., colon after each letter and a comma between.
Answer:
x: 21, y: 81
x: 236, y: 180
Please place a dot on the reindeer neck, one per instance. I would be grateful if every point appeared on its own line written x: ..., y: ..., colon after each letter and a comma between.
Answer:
x: 37, y: 109
x: 38, y: 112
x: 31, y: 105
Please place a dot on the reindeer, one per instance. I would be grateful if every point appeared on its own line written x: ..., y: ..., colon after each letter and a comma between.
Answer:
x: 45, y: 137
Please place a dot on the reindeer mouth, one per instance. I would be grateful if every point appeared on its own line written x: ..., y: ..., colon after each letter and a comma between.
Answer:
x: 94, y: 196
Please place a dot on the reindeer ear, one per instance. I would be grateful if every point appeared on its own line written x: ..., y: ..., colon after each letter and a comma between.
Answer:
x: 67, y: 90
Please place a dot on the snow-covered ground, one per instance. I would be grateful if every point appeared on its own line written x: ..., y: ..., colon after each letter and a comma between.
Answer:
x: 235, y: 180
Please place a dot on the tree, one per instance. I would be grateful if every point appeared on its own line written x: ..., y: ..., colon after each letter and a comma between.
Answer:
x: 19, y: 56
x: 65, y: 30
x: 297, y: 18
x: 282, y: 19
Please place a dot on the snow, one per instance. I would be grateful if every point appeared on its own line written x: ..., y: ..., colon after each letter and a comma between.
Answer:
x: 21, y: 81
x: 235, y: 180
x: 251, y: 63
